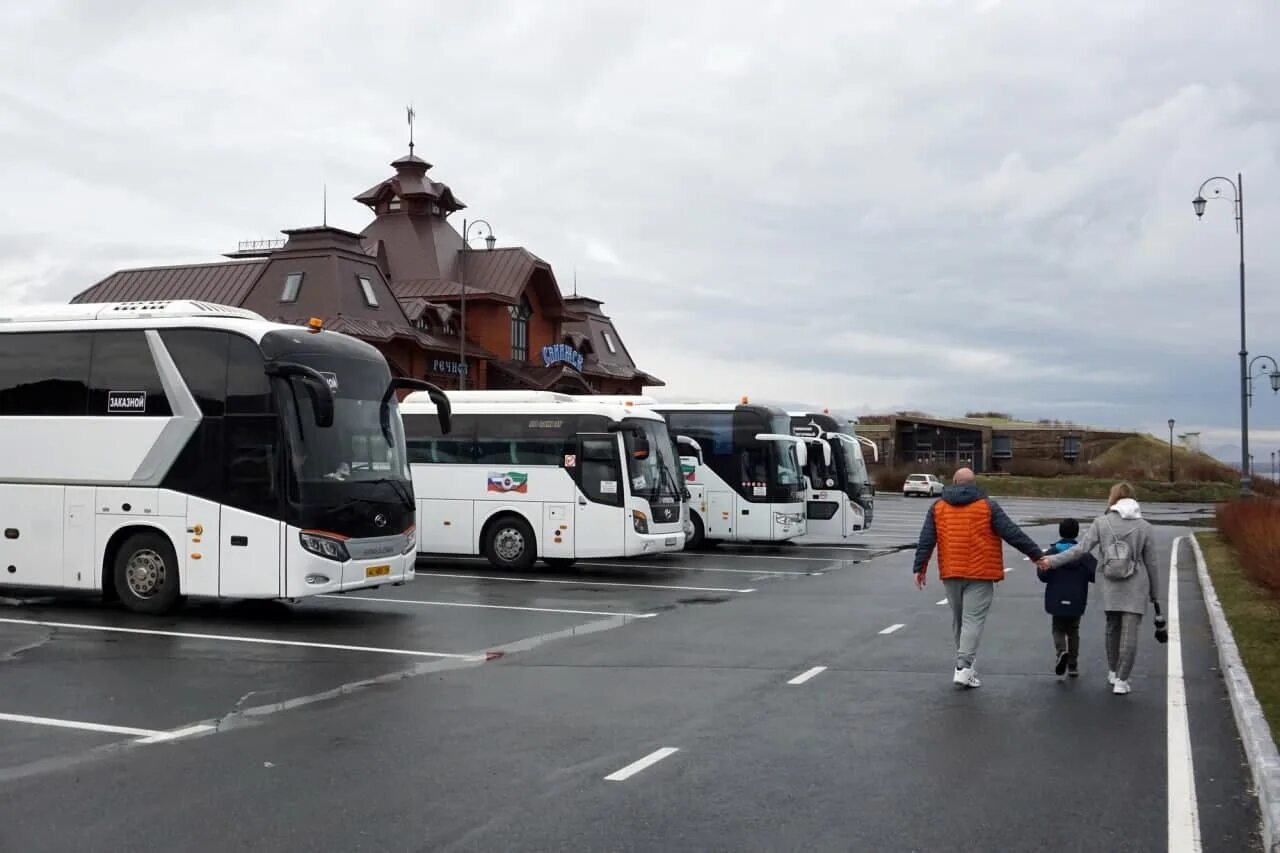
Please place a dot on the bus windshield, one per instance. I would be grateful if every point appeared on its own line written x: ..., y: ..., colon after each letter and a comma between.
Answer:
x: 854, y: 465
x: 651, y: 461
x: 353, y: 459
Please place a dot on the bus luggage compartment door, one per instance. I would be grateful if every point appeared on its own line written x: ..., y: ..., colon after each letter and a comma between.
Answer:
x: 720, y: 521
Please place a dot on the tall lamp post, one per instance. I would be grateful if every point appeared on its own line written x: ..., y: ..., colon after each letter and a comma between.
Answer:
x: 1273, y: 466
x: 489, y: 240
x: 1237, y: 188
x: 1171, y: 422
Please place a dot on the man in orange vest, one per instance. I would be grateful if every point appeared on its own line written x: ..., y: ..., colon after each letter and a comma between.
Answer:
x: 966, y: 527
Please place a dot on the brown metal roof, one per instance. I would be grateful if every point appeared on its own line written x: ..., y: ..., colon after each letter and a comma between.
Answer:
x: 540, y: 378
x: 502, y: 272
x: 411, y: 181
x: 224, y: 283
x: 433, y: 288
x: 377, y: 330
x: 599, y: 361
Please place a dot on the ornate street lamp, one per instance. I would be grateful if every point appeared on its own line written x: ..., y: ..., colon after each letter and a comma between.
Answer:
x: 489, y: 240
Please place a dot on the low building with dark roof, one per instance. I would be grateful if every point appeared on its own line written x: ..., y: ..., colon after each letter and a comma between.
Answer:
x: 988, y: 445
x: 399, y: 285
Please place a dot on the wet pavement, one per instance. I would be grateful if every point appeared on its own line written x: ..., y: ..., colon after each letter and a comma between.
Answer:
x: 617, y: 705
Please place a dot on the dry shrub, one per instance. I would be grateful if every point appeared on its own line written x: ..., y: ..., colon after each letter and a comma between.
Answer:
x: 1252, y: 528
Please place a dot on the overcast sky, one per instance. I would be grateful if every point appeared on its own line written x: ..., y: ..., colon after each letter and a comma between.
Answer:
x: 944, y: 206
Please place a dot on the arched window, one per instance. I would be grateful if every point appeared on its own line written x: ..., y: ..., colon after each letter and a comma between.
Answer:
x: 520, y: 315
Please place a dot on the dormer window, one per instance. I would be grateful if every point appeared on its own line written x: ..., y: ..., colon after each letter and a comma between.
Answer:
x: 292, y: 284
x: 608, y: 341
x: 366, y: 288
x: 395, y: 203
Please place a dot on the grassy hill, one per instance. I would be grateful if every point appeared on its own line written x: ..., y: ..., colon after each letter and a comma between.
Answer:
x: 1142, y: 457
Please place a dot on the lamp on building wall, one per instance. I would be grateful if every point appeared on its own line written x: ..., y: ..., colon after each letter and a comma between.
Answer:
x: 1237, y: 188
x: 489, y: 241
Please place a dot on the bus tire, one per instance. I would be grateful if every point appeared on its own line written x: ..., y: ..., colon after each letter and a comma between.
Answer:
x: 559, y: 563
x: 146, y: 574
x: 509, y: 544
x: 698, y: 538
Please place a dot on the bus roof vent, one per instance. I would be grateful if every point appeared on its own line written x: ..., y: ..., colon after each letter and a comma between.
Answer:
x: 171, y: 308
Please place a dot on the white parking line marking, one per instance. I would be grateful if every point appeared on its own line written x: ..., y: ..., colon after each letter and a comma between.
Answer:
x: 807, y: 674
x: 694, y: 568
x: 636, y: 766
x: 893, y: 628
x: 163, y: 737
x: 265, y: 641
x: 487, y: 606
x: 943, y: 601
x: 583, y: 582
x: 739, y: 553
x: 144, y: 735
x: 1184, y: 819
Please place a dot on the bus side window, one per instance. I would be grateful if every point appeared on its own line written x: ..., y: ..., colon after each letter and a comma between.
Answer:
x: 599, y: 471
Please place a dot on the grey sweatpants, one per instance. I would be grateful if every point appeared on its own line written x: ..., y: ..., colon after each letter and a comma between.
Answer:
x: 970, y: 601
x: 1122, y: 642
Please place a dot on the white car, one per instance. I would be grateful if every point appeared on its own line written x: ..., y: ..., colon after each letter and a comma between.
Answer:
x: 922, y: 484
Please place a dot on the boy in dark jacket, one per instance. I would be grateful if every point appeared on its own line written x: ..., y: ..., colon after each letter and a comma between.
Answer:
x: 1066, y: 593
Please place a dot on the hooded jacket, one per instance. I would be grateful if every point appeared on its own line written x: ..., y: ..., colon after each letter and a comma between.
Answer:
x: 966, y: 528
x: 1066, y: 591
x: 1131, y: 594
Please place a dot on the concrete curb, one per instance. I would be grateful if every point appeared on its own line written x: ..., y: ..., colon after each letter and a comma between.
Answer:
x: 1259, y: 746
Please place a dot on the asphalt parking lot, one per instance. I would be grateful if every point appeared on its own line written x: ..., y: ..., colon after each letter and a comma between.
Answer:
x: 760, y: 698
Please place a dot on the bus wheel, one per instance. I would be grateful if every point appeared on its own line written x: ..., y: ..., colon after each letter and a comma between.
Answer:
x: 146, y: 574
x: 558, y: 562
x: 698, y: 538
x: 509, y: 544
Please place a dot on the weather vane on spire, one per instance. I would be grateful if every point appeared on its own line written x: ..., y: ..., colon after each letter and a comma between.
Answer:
x: 411, y: 115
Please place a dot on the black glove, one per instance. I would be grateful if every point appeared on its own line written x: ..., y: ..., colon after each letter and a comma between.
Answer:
x: 1162, y: 630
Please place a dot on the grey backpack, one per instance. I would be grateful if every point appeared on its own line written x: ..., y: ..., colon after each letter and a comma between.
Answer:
x: 1119, y: 560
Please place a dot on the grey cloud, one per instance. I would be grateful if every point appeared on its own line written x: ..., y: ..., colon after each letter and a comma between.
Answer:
x: 944, y: 206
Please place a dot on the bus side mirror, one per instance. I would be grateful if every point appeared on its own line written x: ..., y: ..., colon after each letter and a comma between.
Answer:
x: 444, y: 410
x: 690, y: 448
x: 317, y: 387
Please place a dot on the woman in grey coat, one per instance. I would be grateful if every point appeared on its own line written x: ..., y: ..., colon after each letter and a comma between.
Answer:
x: 1126, y: 550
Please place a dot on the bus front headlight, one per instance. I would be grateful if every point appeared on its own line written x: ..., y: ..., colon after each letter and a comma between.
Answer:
x: 410, y: 540
x: 639, y: 521
x: 323, y: 545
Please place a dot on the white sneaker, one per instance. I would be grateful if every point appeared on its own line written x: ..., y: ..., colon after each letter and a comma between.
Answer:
x: 966, y: 678
x: 1111, y: 678
x: 1120, y: 688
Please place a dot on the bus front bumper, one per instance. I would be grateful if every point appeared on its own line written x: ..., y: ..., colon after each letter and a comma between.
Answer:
x: 655, y: 542
x: 372, y: 563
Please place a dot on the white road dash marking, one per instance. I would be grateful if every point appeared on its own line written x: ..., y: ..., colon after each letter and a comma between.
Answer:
x: 229, y: 638
x: 807, y: 674
x: 486, y: 606
x: 893, y: 628
x: 1184, y: 819
x: 942, y: 602
x: 143, y: 735
x: 636, y: 766
x: 582, y: 582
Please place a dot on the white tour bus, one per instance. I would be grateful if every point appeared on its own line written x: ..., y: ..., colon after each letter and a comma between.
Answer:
x: 742, y: 466
x: 154, y: 450
x: 842, y: 502
x: 534, y: 475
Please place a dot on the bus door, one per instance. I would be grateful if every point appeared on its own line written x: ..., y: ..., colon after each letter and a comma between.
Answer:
x: 602, y: 496
x: 826, y: 510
